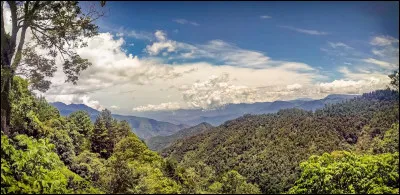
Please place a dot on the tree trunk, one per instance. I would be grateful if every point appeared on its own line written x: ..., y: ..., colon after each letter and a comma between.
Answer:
x: 5, y: 102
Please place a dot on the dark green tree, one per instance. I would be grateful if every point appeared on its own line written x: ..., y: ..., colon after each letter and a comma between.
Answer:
x: 394, y: 82
x: 100, y: 138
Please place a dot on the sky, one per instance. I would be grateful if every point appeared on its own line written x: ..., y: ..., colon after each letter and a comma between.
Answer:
x: 152, y: 56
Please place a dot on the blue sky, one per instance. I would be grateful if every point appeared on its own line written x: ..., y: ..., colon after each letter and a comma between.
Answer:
x: 239, y: 23
x: 152, y: 56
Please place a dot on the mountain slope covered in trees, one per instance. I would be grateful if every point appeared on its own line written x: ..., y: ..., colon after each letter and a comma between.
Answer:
x: 267, y: 149
x: 143, y: 127
x: 158, y: 143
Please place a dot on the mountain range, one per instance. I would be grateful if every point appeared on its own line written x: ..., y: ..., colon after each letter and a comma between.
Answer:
x: 166, y: 123
x: 231, y: 111
x: 158, y: 143
x: 141, y: 126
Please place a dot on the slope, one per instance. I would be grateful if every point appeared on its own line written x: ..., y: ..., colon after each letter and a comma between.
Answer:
x: 267, y: 149
x: 158, y: 143
x: 141, y: 126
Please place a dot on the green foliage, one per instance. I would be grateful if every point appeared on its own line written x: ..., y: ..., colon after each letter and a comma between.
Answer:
x: 89, y: 166
x: 30, y: 166
x: 158, y: 143
x: 82, y: 120
x: 100, y: 138
x: 61, y: 139
x: 251, y: 154
x: 267, y: 149
x: 133, y: 168
x: 345, y: 172
x: 377, y: 141
x: 233, y: 183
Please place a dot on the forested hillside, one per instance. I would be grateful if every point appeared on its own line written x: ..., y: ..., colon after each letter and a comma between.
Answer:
x: 158, y: 143
x: 267, y: 149
x: 348, y: 147
x: 144, y: 128
x: 49, y: 153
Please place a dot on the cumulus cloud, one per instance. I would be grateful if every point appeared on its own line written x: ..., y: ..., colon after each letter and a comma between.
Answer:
x: 162, y: 44
x: 349, y: 86
x: 184, y: 21
x: 305, y: 31
x: 215, y: 92
x: 236, y: 75
x: 111, y: 67
x: 75, y: 99
x: 295, y: 86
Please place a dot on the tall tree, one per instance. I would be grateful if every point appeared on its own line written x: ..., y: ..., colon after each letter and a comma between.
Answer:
x: 395, y: 80
x: 100, y: 138
x: 58, y: 27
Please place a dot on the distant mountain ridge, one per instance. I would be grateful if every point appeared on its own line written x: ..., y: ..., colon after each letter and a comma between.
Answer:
x: 231, y: 111
x: 141, y: 126
x: 158, y: 143
x: 163, y: 123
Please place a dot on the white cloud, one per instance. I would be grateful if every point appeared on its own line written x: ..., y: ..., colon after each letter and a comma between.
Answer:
x: 76, y: 99
x: 305, y: 31
x: 216, y: 91
x: 159, y: 107
x: 162, y: 44
x: 295, y: 86
x: 383, y: 40
x: 339, y: 44
x: 296, y: 66
x: 377, y: 62
x: 140, y: 35
x: 184, y: 21
x: 219, y: 50
x: 377, y: 52
x: 342, y: 86
x: 240, y: 76
x: 114, y: 107
x: 265, y: 17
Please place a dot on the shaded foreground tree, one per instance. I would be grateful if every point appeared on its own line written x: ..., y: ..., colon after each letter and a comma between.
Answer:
x: 57, y: 27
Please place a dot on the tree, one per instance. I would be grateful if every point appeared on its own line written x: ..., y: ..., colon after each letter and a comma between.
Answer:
x: 29, y: 166
x: 395, y: 80
x: 343, y: 172
x: 133, y: 168
x: 89, y: 166
x: 82, y: 120
x: 58, y: 27
x: 233, y: 183
x: 100, y: 138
